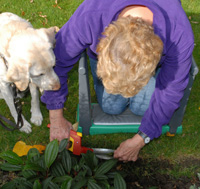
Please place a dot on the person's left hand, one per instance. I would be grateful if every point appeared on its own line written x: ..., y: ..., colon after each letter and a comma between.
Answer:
x: 129, y: 149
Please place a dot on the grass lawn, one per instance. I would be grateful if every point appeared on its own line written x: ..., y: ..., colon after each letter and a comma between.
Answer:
x: 177, y: 157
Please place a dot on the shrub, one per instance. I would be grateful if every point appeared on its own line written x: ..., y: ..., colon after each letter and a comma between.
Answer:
x: 59, y: 168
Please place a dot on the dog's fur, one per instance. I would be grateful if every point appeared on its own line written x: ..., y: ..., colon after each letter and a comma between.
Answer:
x: 30, y: 60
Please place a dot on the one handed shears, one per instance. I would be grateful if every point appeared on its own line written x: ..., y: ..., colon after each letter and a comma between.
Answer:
x: 76, y: 147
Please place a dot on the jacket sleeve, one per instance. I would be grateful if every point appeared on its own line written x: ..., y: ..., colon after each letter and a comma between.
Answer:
x: 170, y: 85
x: 70, y: 43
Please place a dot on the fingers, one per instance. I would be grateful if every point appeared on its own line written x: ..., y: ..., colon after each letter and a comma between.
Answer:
x: 127, y: 159
x: 60, y: 131
x: 129, y: 149
x: 126, y: 153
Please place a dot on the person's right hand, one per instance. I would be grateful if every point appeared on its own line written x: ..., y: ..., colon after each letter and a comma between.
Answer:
x: 129, y: 149
x: 60, y: 127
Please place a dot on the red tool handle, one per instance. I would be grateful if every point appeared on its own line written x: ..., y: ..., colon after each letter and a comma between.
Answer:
x: 76, y: 147
x: 85, y: 149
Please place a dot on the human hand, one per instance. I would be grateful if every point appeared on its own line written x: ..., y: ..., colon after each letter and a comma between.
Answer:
x: 60, y: 127
x: 129, y: 149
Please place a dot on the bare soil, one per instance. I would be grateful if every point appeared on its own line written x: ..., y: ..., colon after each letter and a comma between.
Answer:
x: 155, y: 174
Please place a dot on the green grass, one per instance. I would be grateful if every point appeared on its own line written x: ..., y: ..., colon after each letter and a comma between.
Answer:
x: 44, y: 13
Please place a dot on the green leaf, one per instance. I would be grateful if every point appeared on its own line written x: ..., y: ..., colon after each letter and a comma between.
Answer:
x: 67, y: 184
x: 104, y: 184
x: 28, y: 173
x: 95, y: 161
x: 90, y: 159
x: 8, y: 185
x: 75, y: 165
x: 89, y: 171
x: 26, y: 184
x: 198, y: 175
x: 81, y: 182
x: 22, y: 183
x: 193, y: 187
x: 53, y: 185
x: 11, y: 157
x: 74, y: 161
x: 51, y: 153
x: 119, y: 182
x: 81, y: 173
x: 111, y: 175
x: 33, y: 166
x: 105, y: 167
x: 46, y: 182
x: 57, y: 169
x: 11, y: 167
x: 41, y: 162
x: 66, y: 161
x: 93, y: 185
x: 62, y: 179
x: 63, y: 145
x: 101, y: 177
x: 33, y: 154
x: 82, y: 161
x: 37, y: 185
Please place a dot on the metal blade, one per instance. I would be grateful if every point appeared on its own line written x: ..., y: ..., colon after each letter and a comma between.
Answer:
x: 103, y: 153
x: 102, y: 150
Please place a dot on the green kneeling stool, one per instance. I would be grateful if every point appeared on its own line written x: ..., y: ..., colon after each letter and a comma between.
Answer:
x: 92, y: 120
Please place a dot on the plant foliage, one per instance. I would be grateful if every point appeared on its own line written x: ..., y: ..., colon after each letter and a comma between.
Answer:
x: 58, y: 168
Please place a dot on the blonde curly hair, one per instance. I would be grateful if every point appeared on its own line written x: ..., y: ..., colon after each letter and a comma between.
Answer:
x: 127, y: 56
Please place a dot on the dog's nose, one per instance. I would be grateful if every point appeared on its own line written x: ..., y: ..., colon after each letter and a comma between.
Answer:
x: 56, y: 87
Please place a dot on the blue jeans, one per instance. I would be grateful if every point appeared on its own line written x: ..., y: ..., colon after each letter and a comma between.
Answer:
x: 116, y: 104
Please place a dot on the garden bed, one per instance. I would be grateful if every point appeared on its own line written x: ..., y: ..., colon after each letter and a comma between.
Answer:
x: 156, y: 174
x: 152, y: 174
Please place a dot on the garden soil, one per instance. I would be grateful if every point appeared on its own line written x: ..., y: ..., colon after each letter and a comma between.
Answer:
x: 155, y: 174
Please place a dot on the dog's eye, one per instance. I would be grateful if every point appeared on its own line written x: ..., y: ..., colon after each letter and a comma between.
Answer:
x: 37, y: 75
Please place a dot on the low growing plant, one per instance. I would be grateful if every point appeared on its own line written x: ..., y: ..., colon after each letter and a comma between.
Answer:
x: 58, y: 168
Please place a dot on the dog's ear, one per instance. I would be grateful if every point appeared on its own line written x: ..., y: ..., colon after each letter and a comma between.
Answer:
x: 19, y: 75
x: 48, y: 34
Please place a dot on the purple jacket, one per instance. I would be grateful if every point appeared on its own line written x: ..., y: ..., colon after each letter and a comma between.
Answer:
x: 170, y: 23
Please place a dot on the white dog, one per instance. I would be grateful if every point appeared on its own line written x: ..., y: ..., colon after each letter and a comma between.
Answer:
x: 26, y: 59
